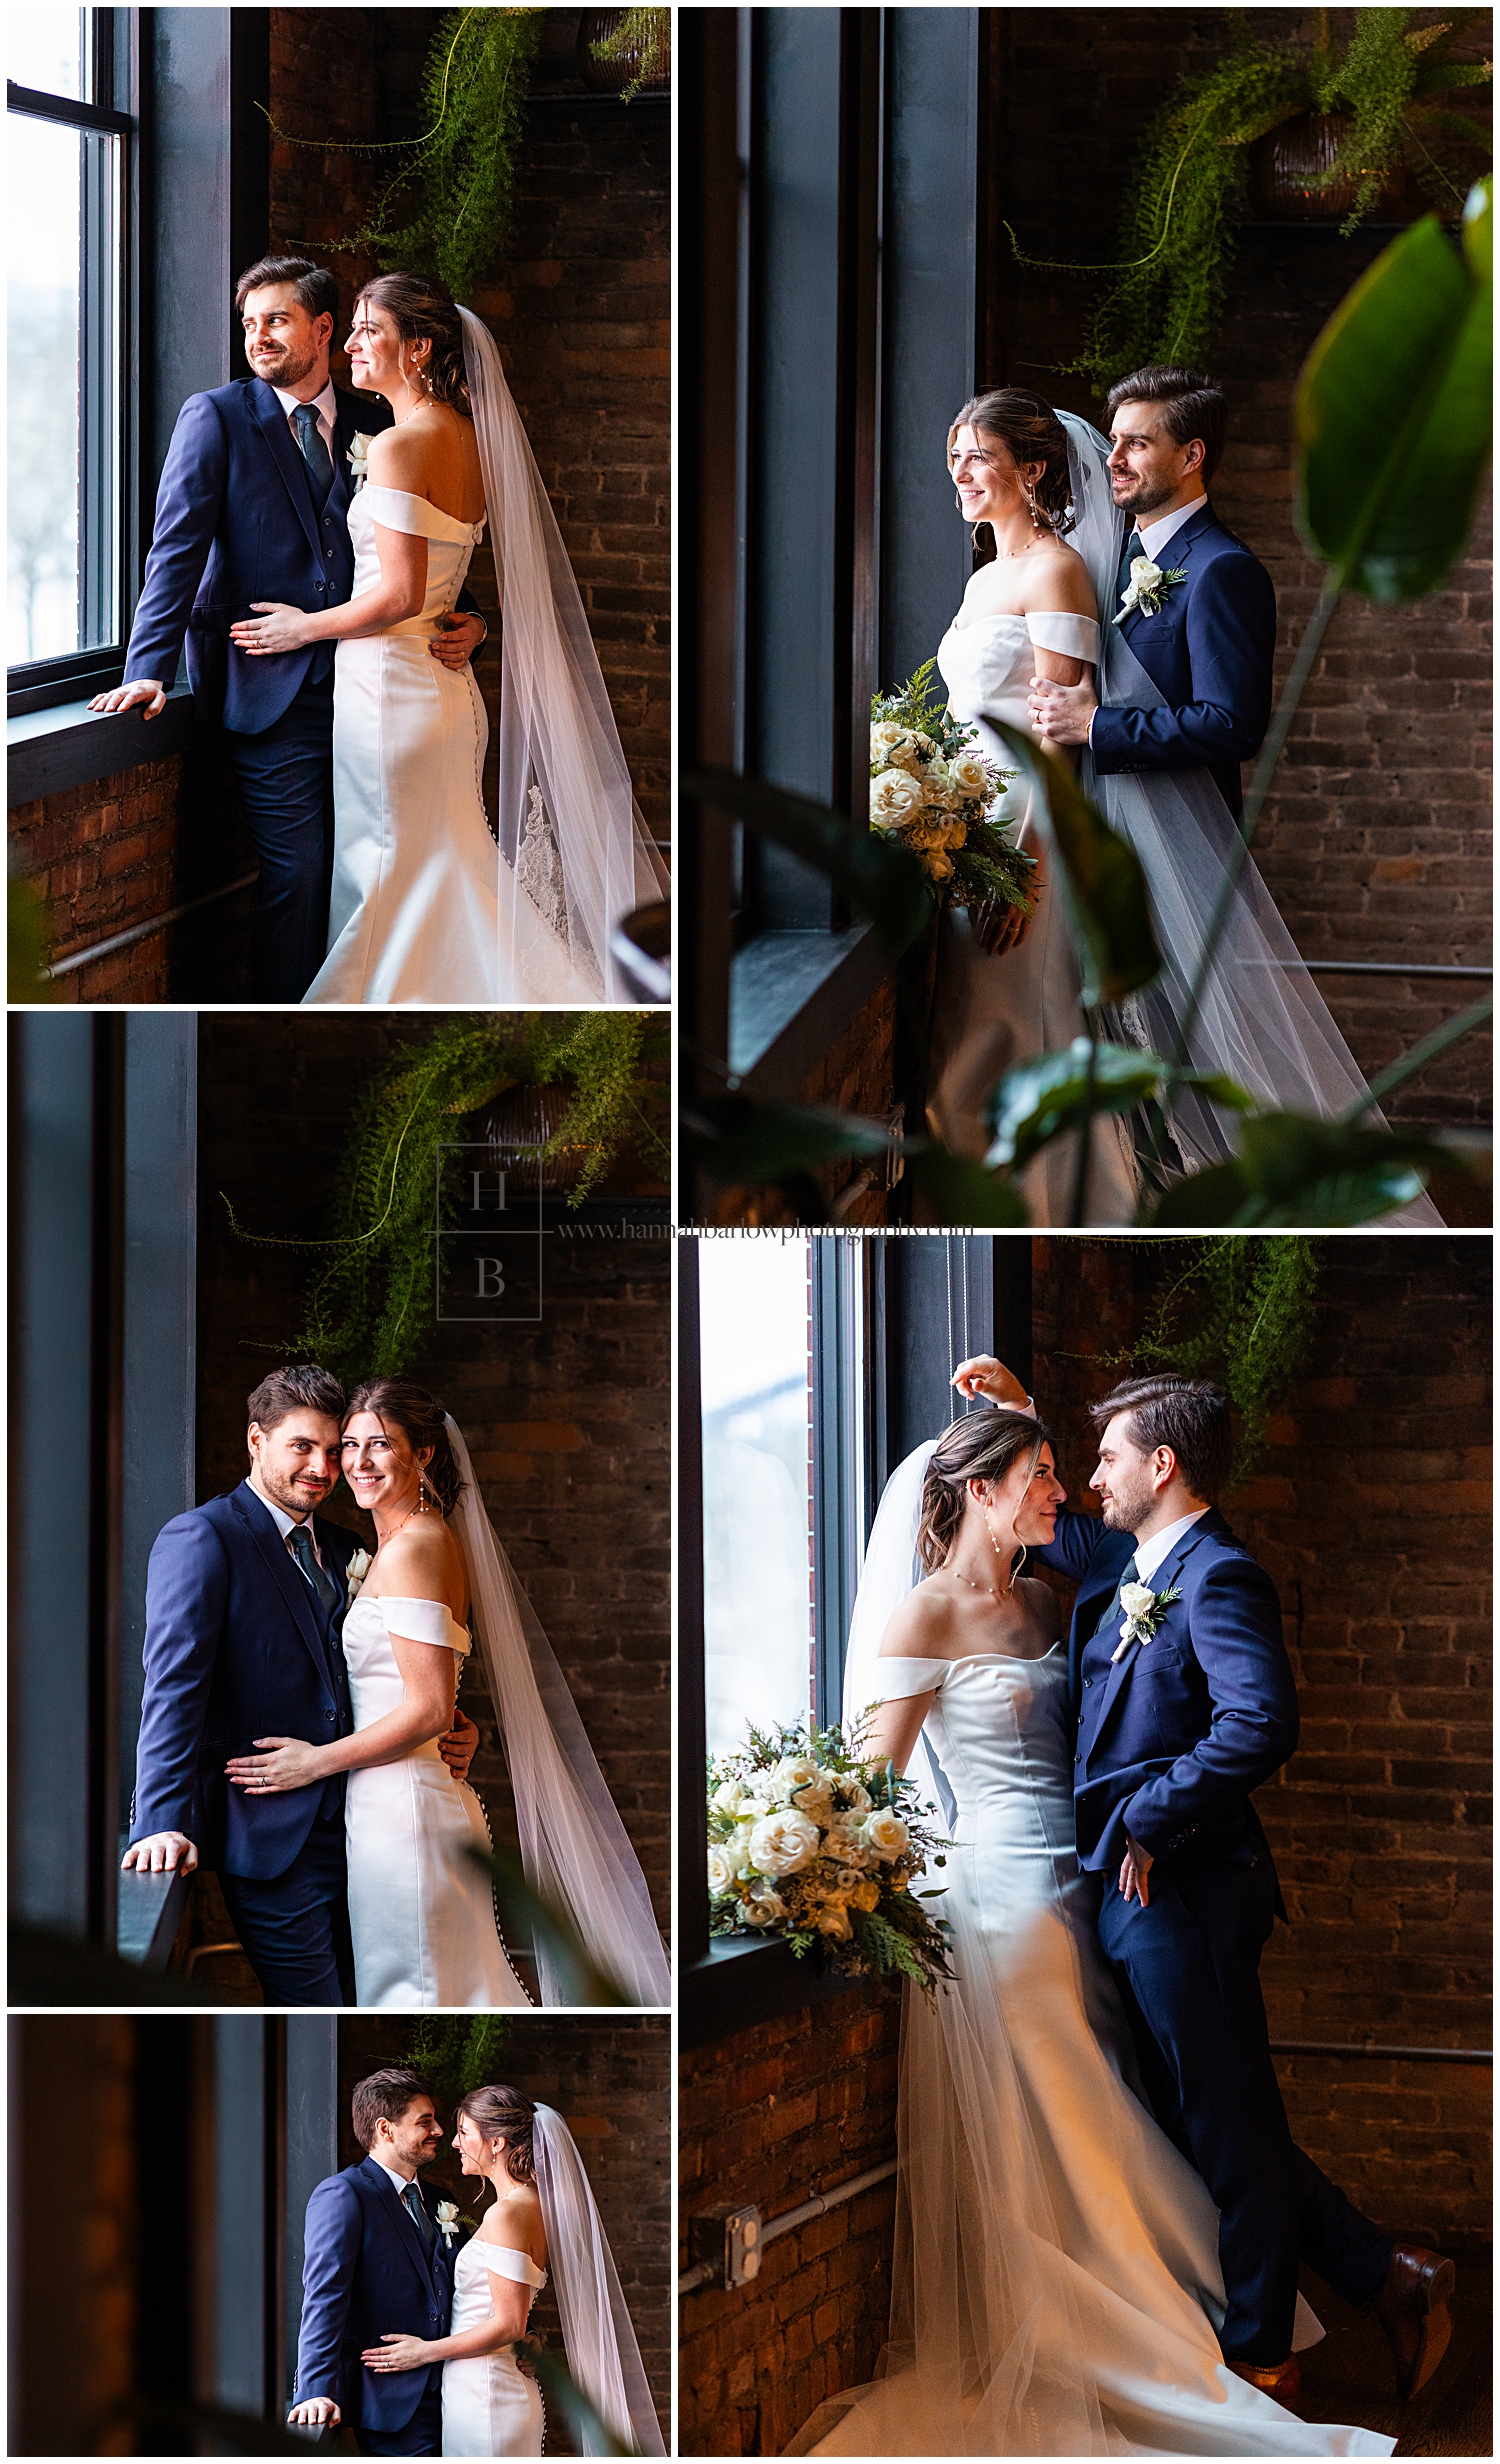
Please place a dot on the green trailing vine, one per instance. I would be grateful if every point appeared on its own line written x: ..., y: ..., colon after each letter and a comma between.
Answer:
x: 446, y: 208
x: 1186, y: 194
x: 370, y: 1302
x: 459, y: 2054
x: 1241, y: 1311
x: 644, y: 35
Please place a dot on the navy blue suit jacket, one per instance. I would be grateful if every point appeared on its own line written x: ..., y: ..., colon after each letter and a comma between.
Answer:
x: 236, y: 521
x: 237, y: 1647
x: 366, y: 2275
x: 1208, y: 650
x: 1173, y: 1738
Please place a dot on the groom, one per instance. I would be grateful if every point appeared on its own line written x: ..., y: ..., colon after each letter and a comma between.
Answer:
x: 253, y: 505
x: 245, y: 1603
x: 1185, y: 1703
x: 378, y: 2261
x: 1206, y: 639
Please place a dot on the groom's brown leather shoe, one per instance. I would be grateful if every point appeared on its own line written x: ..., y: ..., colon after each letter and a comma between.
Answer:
x: 1412, y: 2307
x: 1279, y: 2379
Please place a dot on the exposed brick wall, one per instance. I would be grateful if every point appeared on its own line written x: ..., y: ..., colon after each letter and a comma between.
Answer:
x: 1377, y: 844
x: 610, y: 2079
x: 1370, y: 1511
x: 773, y: 2115
x: 567, y: 1421
x: 119, y: 850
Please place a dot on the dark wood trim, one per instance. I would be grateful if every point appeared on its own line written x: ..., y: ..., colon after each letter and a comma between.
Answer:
x: 692, y: 1709
x: 35, y: 106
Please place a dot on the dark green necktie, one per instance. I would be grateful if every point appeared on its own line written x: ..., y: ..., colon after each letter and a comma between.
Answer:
x: 1128, y: 1574
x: 319, y: 1580
x: 1133, y: 548
x: 411, y: 2200
x: 314, y: 452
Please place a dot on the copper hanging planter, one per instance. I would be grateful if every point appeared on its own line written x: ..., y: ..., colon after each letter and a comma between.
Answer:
x: 637, y: 65
x: 1288, y: 159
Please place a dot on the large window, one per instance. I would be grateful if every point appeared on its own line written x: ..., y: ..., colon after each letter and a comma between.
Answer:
x: 69, y: 166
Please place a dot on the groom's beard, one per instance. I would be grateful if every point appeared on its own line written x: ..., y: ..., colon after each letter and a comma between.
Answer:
x: 285, y: 367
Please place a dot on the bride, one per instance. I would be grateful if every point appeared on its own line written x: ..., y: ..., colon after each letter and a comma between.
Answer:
x: 1039, y: 477
x: 1056, y: 2276
x: 425, y: 908
x: 421, y: 1908
x: 544, y: 2218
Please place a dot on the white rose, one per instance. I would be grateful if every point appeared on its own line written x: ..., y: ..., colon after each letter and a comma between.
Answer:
x: 886, y: 1835
x: 792, y: 1772
x: 833, y: 1919
x: 856, y: 1795
x: 843, y: 1839
x: 895, y: 798
x: 816, y: 1802
x: 728, y: 1796
x: 890, y: 742
x: 969, y: 774
x: 736, y: 1849
x: 782, y: 1843
x: 720, y: 1873
x: 1136, y: 1598
x: 762, y: 1908
x: 356, y: 1570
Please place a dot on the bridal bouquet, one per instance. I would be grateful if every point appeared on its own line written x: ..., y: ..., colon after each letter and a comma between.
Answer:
x: 808, y: 1840
x: 931, y: 791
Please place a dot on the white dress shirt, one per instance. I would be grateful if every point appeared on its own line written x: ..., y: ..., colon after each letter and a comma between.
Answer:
x: 400, y: 2181
x: 325, y: 404
x: 1150, y: 1553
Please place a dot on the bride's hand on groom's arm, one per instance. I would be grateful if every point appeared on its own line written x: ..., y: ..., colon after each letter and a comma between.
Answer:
x: 275, y: 628
x: 289, y: 1764
x: 985, y: 1376
x: 165, y: 1852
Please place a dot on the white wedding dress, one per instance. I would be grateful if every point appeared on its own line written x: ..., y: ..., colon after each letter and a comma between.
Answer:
x: 421, y: 1912
x: 425, y: 907
x: 995, y: 1013
x: 1057, y: 2270
x: 490, y: 2406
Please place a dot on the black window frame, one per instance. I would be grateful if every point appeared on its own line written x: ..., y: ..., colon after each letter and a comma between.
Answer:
x: 106, y: 567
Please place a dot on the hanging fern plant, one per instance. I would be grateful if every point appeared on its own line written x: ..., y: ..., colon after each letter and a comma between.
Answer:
x: 1241, y: 1311
x: 1186, y: 194
x: 459, y: 2054
x: 370, y: 1303
x: 446, y: 208
x: 642, y: 41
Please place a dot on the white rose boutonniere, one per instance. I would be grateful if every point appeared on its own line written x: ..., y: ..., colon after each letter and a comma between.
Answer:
x: 1144, y: 1611
x: 448, y: 2219
x: 355, y: 1572
x: 357, y: 457
x: 1148, y: 587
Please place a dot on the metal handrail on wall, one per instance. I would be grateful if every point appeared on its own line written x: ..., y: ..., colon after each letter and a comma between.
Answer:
x: 696, y: 2279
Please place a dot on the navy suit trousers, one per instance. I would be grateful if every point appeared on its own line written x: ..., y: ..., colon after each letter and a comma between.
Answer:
x: 1188, y: 1969
x: 285, y: 777
x: 294, y: 1930
x: 423, y: 2434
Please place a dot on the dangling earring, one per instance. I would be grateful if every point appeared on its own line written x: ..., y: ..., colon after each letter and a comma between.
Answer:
x: 1037, y: 523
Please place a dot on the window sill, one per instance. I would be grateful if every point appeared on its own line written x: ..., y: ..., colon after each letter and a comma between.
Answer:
x: 739, y: 1982
x: 67, y: 746
x: 150, y: 1912
x: 791, y: 995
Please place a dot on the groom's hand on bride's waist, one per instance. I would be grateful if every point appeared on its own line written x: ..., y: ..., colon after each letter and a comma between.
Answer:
x: 165, y: 1852
x: 454, y: 644
x: 460, y: 1745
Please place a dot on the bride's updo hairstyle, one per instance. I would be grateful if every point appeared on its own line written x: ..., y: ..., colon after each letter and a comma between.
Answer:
x: 397, y: 1403
x: 1031, y: 428
x: 423, y: 311
x: 981, y: 1447
x: 504, y: 2113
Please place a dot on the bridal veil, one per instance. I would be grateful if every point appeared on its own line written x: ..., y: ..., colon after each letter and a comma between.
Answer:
x: 574, y: 1848
x: 603, y: 2356
x: 576, y: 853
